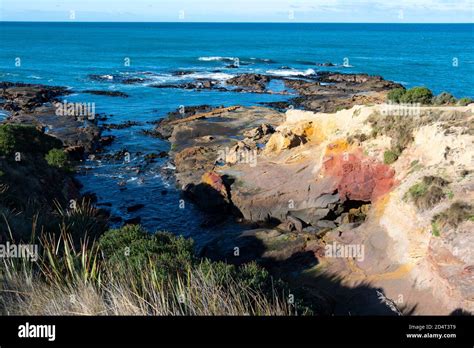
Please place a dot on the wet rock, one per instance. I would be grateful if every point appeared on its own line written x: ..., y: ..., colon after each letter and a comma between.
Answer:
x: 75, y: 153
x: 164, y: 127
x: 280, y: 105
x: 35, y: 105
x: 330, y: 92
x: 117, y: 78
x: 135, y: 207
x: 107, y: 93
x: 26, y: 97
x: 326, y: 64
x: 126, y: 124
x: 251, y: 82
x: 107, y: 140
x: 182, y: 72
x: 196, y: 85
x: 150, y: 157
x: 134, y: 80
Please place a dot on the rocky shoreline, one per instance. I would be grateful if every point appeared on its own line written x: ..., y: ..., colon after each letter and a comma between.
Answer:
x: 310, y: 180
x: 308, y: 173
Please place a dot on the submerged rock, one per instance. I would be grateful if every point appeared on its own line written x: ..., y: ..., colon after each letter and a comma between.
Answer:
x: 107, y: 93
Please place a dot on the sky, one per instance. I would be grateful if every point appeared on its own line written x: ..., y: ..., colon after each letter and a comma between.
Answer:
x: 366, y: 11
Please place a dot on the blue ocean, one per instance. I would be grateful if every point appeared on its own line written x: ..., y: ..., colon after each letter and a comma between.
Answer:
x: 438, y: 56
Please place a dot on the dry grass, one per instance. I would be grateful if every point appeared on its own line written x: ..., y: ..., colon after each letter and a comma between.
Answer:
x: 428, y: 192
x: 454, y: 215
x: 69, y: 281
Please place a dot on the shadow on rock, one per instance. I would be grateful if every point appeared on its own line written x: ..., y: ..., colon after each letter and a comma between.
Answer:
x: 324, y: 293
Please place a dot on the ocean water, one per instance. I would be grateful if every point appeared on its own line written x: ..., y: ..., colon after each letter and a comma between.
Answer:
x: 439, y: 56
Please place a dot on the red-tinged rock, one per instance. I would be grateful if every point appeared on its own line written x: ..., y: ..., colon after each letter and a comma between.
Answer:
x: 360, y: 178
x: 215, y: 181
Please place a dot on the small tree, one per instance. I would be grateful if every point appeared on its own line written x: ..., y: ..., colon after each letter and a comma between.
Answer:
x: 395, y: 95
x: 444, y: 98
x: 420, y: 95
x: 57, y: 158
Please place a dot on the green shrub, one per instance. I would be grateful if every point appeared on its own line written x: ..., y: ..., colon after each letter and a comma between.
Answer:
x: 25, y: 138
x: 420, y: 95
x: 395, y: 95
x: 57, y: 158
x: 7, y: 140
x: 130, y: 248
x: 444, y: 98
x: 435, y: 231
x: 464, y: 101
x: 428, y: 192
x: 249, y: 275
x: 389, y: 157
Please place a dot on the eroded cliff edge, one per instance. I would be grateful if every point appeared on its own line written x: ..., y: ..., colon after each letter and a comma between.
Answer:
x: 395, y: 190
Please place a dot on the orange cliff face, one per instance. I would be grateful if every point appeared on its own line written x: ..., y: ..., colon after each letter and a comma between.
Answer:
x: 359, y: 177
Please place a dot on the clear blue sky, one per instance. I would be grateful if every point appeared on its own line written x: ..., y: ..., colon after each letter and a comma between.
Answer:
x: 450, y: 11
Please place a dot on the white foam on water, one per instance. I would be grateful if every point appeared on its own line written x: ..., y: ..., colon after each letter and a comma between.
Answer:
x: 291, y: 72
x: 217, y: 59
x: 210, y: 75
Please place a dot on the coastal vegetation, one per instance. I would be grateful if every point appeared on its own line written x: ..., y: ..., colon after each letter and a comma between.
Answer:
x: 389, y: 157
x: 129, y: 271
x: 454, y: 215
x: 424, y: 96
x: 427, y: 192
x: 57, y: 158
x: 84, y: 269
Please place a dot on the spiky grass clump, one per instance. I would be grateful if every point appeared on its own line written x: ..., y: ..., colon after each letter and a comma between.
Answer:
x: 81, y: 281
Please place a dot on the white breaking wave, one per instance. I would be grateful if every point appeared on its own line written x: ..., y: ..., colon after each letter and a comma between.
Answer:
x: 108, y: 77
x: 291, y: 72
x: 217, y: 58
x: 211, y: 76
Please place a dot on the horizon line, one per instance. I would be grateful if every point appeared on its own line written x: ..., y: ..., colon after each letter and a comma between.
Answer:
x: 226, y: 22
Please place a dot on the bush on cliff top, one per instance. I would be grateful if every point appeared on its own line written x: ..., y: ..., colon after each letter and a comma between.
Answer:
x: 395, y: 94
x: 465, y: 101
x: 444, y: 98
x: 420, y: 95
